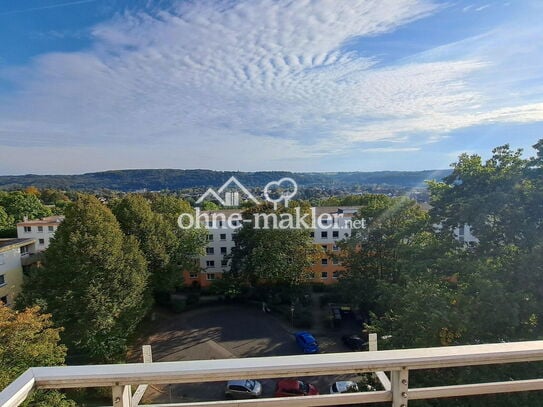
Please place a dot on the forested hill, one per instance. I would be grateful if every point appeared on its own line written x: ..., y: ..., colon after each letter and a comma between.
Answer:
x: 170, y: 179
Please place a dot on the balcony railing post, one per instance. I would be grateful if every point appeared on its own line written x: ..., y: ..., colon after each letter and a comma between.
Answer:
x: 400, y: 383
x: 122, y: 396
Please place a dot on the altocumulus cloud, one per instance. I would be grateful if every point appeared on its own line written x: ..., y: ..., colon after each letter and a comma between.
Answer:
x: 242, y: 82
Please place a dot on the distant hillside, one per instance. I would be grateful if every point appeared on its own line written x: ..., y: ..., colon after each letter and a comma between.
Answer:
x: 168, y: 179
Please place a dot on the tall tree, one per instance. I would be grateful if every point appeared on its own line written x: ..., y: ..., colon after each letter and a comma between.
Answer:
x: 191, y: 242
x: 94, y: 282
x: 157, y: 240
x: 29, y: 339
x: 385, y: 252
x: 279, y: 255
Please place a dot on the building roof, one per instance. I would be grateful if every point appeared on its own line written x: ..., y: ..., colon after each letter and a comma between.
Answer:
x: 47, y: 221
x: 9, y: 244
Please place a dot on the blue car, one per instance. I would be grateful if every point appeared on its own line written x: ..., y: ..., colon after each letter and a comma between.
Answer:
x: 307, y: 342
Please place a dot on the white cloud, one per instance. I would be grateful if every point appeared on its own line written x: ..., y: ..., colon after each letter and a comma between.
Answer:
x: 270, y: 79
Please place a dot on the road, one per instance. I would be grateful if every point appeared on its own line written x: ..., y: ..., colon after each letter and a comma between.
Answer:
x: 224, y: 332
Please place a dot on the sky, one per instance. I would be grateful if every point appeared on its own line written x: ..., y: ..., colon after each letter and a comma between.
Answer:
x: 298, y: 85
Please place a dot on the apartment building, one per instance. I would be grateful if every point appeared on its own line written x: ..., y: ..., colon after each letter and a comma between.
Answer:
x: 42, y: 230
x: 333, y: 227
x: 15, y: 255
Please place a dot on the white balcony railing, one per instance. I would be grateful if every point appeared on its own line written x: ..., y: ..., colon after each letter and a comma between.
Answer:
x: 398, y: 362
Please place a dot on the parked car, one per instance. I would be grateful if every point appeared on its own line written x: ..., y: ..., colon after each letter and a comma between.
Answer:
x: 294, y: 387
x: 354, y: 342
x: 243, y: 389
x: 347, y: 386
x: 307, y: 342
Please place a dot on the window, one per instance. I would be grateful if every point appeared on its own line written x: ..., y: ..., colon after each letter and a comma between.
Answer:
x: 210, y: 250
x: 223, y: 236
x: 324, y: 221
x: 324, y: 274
x: 51, y: 228
x: 335, y: 274
x: 210, y: 223
x: 28, y: 229
x: 193, y: 275
x: 1, y: 258
x: 224, y: 262
x: 210, y: 263
x: 324, y: 262
x: 24, y: 250
x: 223, y: 250
x: 40, y: 229
x: 324, y: 247
x: 335, y: 248
x: 209, y: 238
x: 2, y: 280
x: 335, y: 233
x: 210, y: 276
x: 312, y: 234
x: 324, y: 235
x: 335, y: 262
x: 41, y: 241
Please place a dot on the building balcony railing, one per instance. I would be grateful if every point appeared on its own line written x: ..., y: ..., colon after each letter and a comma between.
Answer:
x: 397, y: 391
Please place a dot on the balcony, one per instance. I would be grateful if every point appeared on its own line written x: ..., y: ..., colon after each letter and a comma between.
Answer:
x: 396, y: 393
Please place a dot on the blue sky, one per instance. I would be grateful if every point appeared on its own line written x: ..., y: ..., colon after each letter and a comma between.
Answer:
x: 300, y: 85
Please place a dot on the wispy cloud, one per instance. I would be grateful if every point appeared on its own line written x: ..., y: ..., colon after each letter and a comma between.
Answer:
x: 205, y: 78
x: 50, y: 6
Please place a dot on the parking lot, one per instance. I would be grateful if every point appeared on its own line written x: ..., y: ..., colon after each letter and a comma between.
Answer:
x: 223, y: 332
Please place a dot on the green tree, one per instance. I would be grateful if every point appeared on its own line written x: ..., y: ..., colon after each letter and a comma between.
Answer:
x: 28, y: 339
x: 94, y: 282
x: 396, y: 240
x: 278, y: 255
x: 157, y: 240
x: 20, y: 204
x: 191, y: 242
x: 7, y: 224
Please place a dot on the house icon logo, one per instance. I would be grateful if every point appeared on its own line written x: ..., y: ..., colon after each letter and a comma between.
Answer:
x: 226, y: 196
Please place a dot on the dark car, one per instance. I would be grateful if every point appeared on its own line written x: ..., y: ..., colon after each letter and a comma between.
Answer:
x: 293, y: 388
x: 354, y: 342
x: 307, y: 342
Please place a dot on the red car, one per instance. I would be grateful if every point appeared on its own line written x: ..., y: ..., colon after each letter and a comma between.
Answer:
x: 293, y: 387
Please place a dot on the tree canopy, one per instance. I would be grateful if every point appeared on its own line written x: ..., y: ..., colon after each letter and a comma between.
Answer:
x: 156, y: 238
x: 273, y: 255
x: 94, y: 282
x: 28, y: 339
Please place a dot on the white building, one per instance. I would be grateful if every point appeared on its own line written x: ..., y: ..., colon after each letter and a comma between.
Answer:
x: 221, y: 241
x: 15, y: 254
x: 42, y: 230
